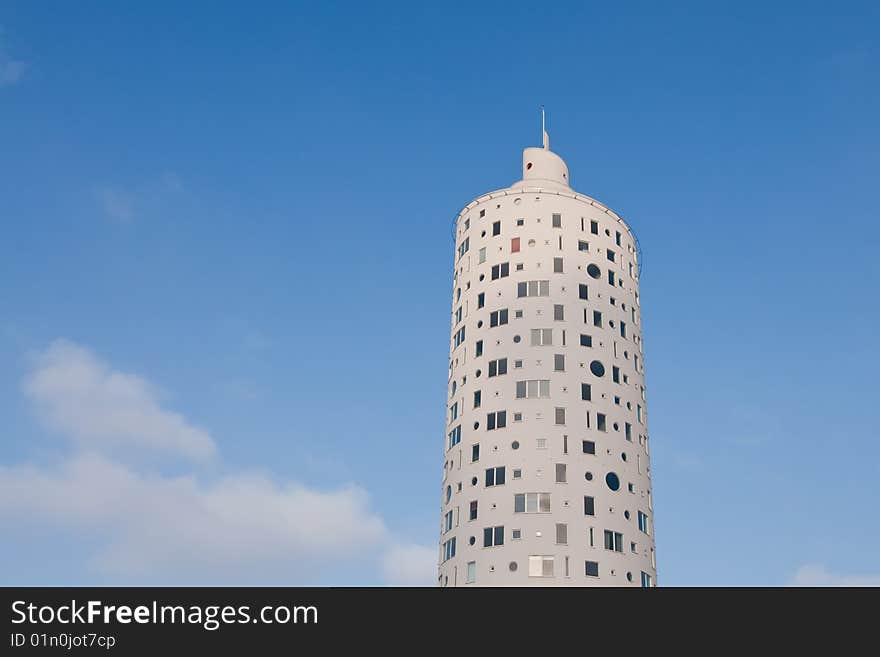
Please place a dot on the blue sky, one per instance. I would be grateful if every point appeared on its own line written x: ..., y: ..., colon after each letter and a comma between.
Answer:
x: 225, y: 273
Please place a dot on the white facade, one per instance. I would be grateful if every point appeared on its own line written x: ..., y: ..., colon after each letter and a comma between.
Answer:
x: 546, y: 477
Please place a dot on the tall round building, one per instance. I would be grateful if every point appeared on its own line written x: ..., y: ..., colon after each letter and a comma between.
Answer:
x: 546, y: 475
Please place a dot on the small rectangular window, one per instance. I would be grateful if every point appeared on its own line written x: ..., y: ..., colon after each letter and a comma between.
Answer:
x: 610, y: 277
x: 560, y: 416
x: 514, y: 245
x: 600, y: 421
x: 560, y: 473
x: 597, y: 318
x: 589, y: 506
x: 557, y: 221
x: 558, y: 312
x: 591, y: 568
x: 617, y: 238
x: 475, y: 452
x: 582, y: 291
x: 557, y: 265
x: 482, y: 255
x: 589, y: 447
x: 496, y: 228
x: 478, y: 398
x: 473, y: 510
x: 561, y: 533
x: 586, y: 340
x: 558, y: 362
x: 615, y: 374
x: 481, y: 300
x: 594, y: 227
x: 586, y: 392
x: 609, y: 254
x: 583, y: 246
x: 479, y: 349
x: 493, y: 536
x: 471, y: 572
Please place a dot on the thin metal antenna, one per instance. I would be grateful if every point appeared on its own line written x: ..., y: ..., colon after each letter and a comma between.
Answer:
x: 544, y: 136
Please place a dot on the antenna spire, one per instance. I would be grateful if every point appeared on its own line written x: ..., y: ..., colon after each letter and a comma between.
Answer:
x: 544, y: 130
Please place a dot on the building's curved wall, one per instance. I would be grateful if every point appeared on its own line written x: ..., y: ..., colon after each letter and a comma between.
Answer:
x: 546, y: 441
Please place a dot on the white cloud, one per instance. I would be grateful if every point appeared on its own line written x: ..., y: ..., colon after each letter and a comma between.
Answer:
x: 410, y: 565
x: 817, y: 575
x: 116, y: 203
x: 11, y: 70
x: 77, y: 394
x: 147, y: 526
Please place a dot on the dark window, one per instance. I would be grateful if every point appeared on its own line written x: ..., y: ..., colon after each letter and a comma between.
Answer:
x: 594, y: 227
x: 589, y: 447
x: 475, y: 452
x: 589, y: 506
x: 597, y: 318
x: 479, y: 351
x: 586, y: 341
x: 594, y: 271
x: 557, y: 221
x: 586, y: 392
x: 582, y: 291
x: 474, y: 510
x: 591, y: 568
x: 496, y: 228
x: 481, y: 299
x: 597, y: 368
x: 612, y: 480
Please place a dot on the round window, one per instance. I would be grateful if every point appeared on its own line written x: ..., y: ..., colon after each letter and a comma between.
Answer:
x: 597, y: 368
x: 594, y: 271
x: 514, y: 444
x: 473, y: 481
x: 612, y: 480
x: 512, y: 566
x: 516, y: 339
x: 588, y: 476
x: 472, y: 540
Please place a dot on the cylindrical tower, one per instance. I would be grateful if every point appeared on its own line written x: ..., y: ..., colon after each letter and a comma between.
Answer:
x: 546, y: 475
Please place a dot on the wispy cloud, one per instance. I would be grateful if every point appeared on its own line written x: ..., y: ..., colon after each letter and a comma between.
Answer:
x: 817, y: 575
x: 77, y: 394
x: 144, y: 525
x: 116, y: 203
x: 410, y: 565
x: 11, y: 70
